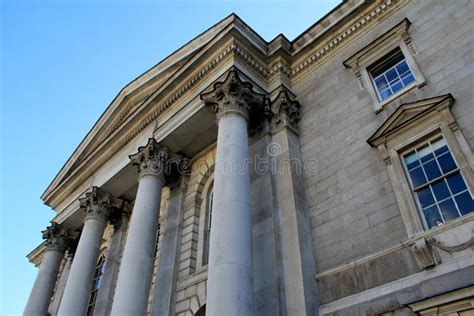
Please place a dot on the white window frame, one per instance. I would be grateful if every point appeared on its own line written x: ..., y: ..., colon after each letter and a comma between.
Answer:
x: 427, y: 140
x: 394, y: 67
x: 398, y: 36
x: 395, y: 137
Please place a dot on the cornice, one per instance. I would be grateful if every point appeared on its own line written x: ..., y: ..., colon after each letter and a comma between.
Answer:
x: 366, y: 20
x: 401, y: 30
x: 129, y: 124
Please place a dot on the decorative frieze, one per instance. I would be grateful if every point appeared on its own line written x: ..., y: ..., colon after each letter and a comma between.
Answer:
x: 57, y: 237
x: 99, y: 204
x: 233, y: 96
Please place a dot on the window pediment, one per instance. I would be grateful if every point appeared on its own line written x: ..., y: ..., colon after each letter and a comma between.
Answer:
x: 398, y: 31
x: 406, y: 115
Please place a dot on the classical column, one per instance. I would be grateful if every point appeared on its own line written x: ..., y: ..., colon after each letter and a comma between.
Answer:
x: 134, y: 278
x: 98, y: 206
x: 293, y: 225
x: 57, y: 240
x: 61, y: 282
x: 164, y: 296
x: 229, y: 287
x: 103, y: 303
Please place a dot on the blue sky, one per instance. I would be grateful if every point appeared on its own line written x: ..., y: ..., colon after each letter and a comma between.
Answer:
x: 62, y: 63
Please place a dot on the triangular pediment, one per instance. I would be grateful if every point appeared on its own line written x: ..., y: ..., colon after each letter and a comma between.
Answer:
x: 149, y: 86
x: 408, y: 113
x: 189, y: 70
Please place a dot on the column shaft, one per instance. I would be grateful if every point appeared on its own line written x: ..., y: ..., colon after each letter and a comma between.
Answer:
x: 136, y: 269
x: 79, y: 283
x: 40, y: 296
x: 164, y: 297
x: 230, y: 289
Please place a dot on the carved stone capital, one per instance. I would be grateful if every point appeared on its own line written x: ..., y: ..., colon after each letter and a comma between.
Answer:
x: 151, y: 159
x: 121, y: 216
x: 233, y: 96
x: 99, y: 204
x: 284, y: 111
x: 178, y: 183
x: 57, y: 238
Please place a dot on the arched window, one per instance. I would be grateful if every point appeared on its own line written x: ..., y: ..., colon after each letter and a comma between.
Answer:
x: 207, y: 225
x: 99, y: 272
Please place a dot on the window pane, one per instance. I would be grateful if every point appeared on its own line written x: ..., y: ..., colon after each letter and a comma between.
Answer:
x: 432, y: 216
x: 391, y: 75
x: 437, y: 144
x: 425, y: 197
x: 381, y: 83
x: 446, y: 162
x: 396, y: 85
x: 441, y: 191
x: 411, y: 160
x: 423, y: 152
x: 427, y: 157
x: 385, y: 94
x: 441, y: 150
x: 449, y: 210
x: 402, y: 68
x: 407, y: 79
x: 432, y: 170
x: 465, y: 203
x: 417, y: 177
x: 456, y: 183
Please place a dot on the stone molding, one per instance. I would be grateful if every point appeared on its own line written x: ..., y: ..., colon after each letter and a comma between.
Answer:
x: 357, y: 27
x: 408, y: 114
x: 98, y: 204
x: 425, y: 255
x: 450, y: 249
x: 400, y: 30
x: 57, y: 238
x: 233, y: 96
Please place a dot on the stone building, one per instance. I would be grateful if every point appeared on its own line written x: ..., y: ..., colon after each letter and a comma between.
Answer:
x: 330, y: 175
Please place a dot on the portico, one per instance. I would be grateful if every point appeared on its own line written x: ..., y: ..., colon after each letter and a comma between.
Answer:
x: 236, y: 107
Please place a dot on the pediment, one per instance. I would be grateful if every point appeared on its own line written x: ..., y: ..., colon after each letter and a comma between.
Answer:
x: 178, y: 78
x: 409, y: 113
x: 169, y: 77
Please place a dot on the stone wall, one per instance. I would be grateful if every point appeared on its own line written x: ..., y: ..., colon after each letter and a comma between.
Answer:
x: 352, y: 205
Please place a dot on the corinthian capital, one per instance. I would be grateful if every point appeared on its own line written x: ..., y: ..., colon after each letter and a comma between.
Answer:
x: 100, y: 204
x: 233, y: 96
x: 57, y: 237
x: 151, y: 159
x: 284, y: 111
